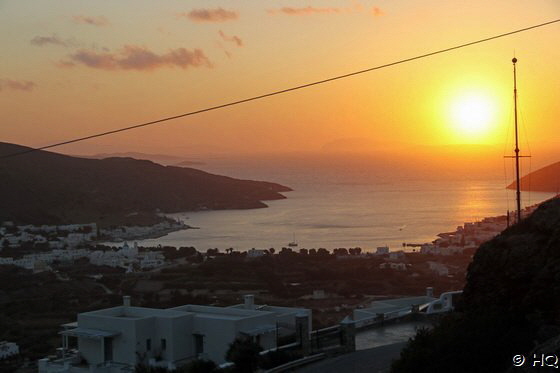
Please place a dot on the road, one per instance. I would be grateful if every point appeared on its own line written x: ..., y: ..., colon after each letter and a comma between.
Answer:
x: 373, y: 360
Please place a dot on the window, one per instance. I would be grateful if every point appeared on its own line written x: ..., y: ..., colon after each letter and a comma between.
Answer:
x: 198, y: 344
x: 163, y: 344
x: 148, y: 344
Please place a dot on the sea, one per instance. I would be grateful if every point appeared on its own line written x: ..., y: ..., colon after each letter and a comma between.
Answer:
x: 339, y: 203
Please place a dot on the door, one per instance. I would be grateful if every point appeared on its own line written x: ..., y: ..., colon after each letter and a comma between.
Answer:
x: 108, y: 349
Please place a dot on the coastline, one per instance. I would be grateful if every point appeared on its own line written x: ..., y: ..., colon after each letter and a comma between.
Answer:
x: 467, y: 234
x: 153, y: 232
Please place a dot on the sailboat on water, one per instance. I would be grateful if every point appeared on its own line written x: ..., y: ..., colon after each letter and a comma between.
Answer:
x: 294, y: 242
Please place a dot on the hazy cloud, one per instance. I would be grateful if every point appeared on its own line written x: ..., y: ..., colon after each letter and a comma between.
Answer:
x: 305, y: 11
x: 211, y: 15
x: 377, y: 11
x: 235, y: 39
x: 132, y: 57
x: 309, y: 10
x: 17, y: 85
x: 53, y: 40
x: 89, y: 20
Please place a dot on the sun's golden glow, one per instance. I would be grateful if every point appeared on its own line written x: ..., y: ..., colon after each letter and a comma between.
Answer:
x: 473, y: 115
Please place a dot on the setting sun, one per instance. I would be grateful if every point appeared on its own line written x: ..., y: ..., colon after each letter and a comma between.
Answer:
x: 473, y: 115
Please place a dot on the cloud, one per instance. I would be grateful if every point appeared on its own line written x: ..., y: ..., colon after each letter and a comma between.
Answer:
x: 310, y: 10
x: 132, y: 57
x: 88, y: 20
x: 54, y: 40
x: 305, y: 11
x: 235, y: 39
x: 377, y: 11
x: 17, y: 85
x: 210, y: 15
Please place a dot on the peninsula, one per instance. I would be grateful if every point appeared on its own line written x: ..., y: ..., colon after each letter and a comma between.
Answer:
x: 50, y: 188
x: 545, y: 179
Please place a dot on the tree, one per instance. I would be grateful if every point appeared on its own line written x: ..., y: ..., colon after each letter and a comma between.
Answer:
x: 322, y: 252
x: 244, y: 353
x: 198, y: 366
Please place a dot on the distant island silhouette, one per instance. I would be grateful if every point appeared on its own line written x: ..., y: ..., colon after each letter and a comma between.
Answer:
x: 163, y: 159
x: 546, y: 179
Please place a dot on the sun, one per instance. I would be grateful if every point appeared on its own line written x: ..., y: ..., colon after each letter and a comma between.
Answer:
x: 472, y: 115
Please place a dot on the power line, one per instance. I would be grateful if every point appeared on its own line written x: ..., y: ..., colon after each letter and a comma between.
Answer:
x: 254, y: 98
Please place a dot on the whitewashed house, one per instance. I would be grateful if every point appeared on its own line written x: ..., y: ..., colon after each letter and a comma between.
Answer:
x: 8, y: 349
x: 117, y: 339
x: 397, y: 266
x: 255, y: 253
x: 382, y: 250
x: 439, y: 268
x: 396, y: 255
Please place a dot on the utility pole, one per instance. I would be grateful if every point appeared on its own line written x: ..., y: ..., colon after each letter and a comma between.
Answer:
x: 518, y: 189
x: 517, y: 156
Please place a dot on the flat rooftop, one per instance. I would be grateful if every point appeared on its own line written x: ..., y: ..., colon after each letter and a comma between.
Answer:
x: 276, y: 309
x: 135, y: 312
x: 219, y: 312
x: 398, y: 304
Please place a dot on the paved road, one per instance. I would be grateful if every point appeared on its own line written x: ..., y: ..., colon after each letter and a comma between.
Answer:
x: 373, y: 360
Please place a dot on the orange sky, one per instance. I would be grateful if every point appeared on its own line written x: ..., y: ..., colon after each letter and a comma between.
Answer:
x: 77, y: 67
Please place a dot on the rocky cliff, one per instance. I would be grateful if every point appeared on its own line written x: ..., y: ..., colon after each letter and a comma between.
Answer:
x: 511, y: 304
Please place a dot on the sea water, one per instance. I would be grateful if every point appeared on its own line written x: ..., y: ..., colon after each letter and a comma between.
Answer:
x: 335, y: 206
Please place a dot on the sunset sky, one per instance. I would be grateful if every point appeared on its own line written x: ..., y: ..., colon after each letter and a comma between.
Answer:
x: 71, y: 68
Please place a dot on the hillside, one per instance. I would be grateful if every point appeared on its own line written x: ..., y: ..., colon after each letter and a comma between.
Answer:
x: 511, y: 304
x: 163, y: 159
x: 546, y: 179
x: 44, y: 187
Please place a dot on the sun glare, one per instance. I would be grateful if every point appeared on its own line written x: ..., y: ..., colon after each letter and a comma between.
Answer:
x: 472, y: 115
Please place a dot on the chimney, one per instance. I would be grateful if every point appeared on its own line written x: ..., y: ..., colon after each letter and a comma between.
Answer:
x: 126, y: 300
x: 430, y: 292
x: 249, y: 301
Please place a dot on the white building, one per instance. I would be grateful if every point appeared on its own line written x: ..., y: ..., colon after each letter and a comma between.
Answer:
x: 382, y: 250
x: 152, y: 259
x: 429, y: 249
x: 8, y: 349
x: 398, y: 266
x: 6, y: 261
x: 395, y: 308
x: 396, y: 255
x: 439, y: 268
x: 116, y: 339
x: 255, y: 253
x: 285, y: 316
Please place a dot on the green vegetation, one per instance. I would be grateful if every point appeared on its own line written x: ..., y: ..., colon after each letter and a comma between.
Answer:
x: 244, y: 354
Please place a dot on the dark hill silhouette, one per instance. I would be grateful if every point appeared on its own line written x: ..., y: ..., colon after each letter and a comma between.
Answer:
x: 163, y: 159
x: 45, y: 187
x: 510, y: 305
x: 546, y: 179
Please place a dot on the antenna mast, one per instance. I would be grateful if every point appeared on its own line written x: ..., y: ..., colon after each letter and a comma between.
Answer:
x: 518, y: 187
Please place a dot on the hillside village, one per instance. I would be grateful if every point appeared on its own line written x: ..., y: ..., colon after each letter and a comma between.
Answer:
x: 331, y: 284
x: 35, y: 247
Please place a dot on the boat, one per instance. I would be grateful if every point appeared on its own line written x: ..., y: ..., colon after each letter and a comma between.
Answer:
x: 294, y: 242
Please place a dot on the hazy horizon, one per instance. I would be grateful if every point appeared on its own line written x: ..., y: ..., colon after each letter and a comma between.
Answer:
x: 82, y: 68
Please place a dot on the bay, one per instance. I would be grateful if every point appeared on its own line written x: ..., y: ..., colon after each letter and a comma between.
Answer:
x: 341, y: 204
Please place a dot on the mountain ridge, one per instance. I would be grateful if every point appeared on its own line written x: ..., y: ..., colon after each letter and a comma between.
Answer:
x: 45, y: 187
